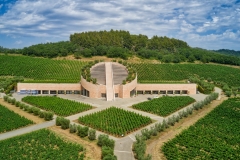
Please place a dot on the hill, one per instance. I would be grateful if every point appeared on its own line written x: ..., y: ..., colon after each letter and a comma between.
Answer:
x: 228, y: 52
x: 122, y: 44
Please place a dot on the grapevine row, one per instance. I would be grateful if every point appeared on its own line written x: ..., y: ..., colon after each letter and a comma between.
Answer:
x: 115, y: 121
x: 59, y: 106
x: 41, y: 144
x: 148, y: 73
x: 41, y: 69
x: 164, y: 106
x: 10, y: 120
x: 216, y: 136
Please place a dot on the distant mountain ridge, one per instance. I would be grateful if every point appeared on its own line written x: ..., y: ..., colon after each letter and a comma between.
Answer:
x: 228, y: 52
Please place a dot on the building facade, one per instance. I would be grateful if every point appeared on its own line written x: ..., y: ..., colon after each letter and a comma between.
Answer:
x: 114, y: 73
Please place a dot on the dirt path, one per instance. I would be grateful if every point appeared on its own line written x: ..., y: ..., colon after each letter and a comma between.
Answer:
x: 19, y: 111
x: 93, y: 152
x: 154, y: 145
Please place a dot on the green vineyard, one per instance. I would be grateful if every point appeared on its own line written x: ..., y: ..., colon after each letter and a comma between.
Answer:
x: 41, y: 144
x: 41, y: 69
x: 10, y: 120
x: 59, y: 106
x: 216, y: 136
x: 115, y: 121
x: 164, y: 106
x: 158, y: 73
x: 69, y: 71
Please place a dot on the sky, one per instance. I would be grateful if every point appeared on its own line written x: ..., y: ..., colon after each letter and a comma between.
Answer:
x: 208, y: 24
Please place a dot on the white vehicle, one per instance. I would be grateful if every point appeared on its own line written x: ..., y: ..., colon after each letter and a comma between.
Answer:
x: 155, y: 97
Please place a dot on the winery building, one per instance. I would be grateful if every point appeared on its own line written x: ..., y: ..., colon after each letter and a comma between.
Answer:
x: 109, y: 84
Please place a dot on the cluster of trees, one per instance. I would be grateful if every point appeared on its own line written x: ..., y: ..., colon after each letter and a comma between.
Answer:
x: 73, y: 128
x: 191, y: 55
x: 7, y: 84
x: 102, y: 50
x: 204, y: 86
x: 107, y: 146
x: 228, y: 90
x: 124, y: 39
x: 228, y: 52
x: 120, y: 43
x: 50, y: 50
x: 103, y: 140
x: 7, y: 50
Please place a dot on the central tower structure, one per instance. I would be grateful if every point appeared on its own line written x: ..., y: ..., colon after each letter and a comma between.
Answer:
x: 111, y: 82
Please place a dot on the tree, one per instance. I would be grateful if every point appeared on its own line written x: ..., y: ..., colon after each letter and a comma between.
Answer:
x: 87, y: 52
x: 103, y: 140
x: 110, y: 157
x: 82, y: 131
x: 77, y: 55
x: 92, y: 134
x: 59, y: 121
x: 73, y: 128
x: 106, y: 151
x: 48, y: 115
x: 176, y: 59
x: 65, y: 123
x: 35, y: 110
x: 228, y: 93
x: 5, y: 98
x: 191, y: 58
x: 167, y: 58
x: 205, y: 59
x: 17, y: 104
x: 234, y: 93
x: 13, y: 101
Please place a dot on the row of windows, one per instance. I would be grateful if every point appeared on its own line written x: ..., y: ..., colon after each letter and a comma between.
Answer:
x: 164, y: 92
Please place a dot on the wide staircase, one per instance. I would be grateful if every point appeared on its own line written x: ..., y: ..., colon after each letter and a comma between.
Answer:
x: 119, y: 73
x: 109, y: 82
x: 99, y: 73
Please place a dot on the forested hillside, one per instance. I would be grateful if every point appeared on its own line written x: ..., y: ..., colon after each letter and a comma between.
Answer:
x: 122, y: 44
x: 50, y: 50
x: 124, y: 39
x: 228, y: 52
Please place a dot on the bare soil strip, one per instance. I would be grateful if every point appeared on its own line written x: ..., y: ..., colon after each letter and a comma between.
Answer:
x: 93, y: 152
x: 19, y: 111
x: 154, y: 145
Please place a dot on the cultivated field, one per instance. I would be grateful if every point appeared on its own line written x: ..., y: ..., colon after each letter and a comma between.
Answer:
x: 59, y: 106
x: 216, y: 136
x: 41, y: 69
x: 115, y: 121
x: 156, y: 73
x: 10, y: 120
x: 41, y: 144
x: 48, y: 70
x: 164, y: 106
